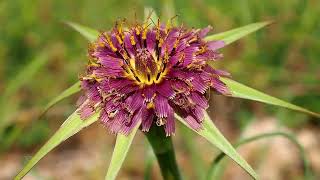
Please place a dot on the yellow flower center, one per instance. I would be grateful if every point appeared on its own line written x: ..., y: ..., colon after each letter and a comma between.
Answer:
x: 146, y: 68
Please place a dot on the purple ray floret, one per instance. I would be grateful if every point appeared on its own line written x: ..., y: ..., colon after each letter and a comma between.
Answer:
x: 146, y: 74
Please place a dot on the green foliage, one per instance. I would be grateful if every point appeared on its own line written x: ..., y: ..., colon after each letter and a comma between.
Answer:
x: 70, y: 127
x: 214, y: 136
x: 230, y: 36
x: 215, y: 167
x: 241, y: 91
x: 88, y: 33
x: 120, y: 151
x: 66, y: 93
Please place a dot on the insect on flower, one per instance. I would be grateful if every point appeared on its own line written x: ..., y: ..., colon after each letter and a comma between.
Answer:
x: 145, y: 74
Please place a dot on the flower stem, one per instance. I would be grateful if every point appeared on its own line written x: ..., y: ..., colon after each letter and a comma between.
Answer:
x: 163, y: 149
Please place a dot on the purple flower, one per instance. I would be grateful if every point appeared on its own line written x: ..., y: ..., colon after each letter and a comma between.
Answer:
x: 147, y: 73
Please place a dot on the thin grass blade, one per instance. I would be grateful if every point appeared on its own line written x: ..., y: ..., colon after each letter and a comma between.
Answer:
x: 70, y: 127
x: 214, y: 136
x: 119, y: 154
x: 66, y: 93
x: 216, y: 163
x: 242, y: 91
x: 235, y: 34
x: 88, y: 33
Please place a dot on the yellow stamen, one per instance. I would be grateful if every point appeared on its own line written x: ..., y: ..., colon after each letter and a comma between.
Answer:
x: 114, y: 49
x: 132, y: 40
x: 150, y: 105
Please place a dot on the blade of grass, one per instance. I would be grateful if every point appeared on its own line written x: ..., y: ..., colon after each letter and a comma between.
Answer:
x: 87, y: 32
x: 119, y: 154
x: 66, y: 93
x: 241, y: 91
x: 214, y: 136
x: 70, y: 127
x: 235, y: 34
x: 306, y: 166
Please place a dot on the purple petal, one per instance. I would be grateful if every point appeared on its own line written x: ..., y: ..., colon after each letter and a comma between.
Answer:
x: 203, y: 32
x: 117, y: 122
x: 86, y: 111
x: 199, y: 85
x: 162, y: 106
x: 147, y: 120
x: 170, y: 123
x: 216, y: 71
x: 214, y: 45
x: 193, y: 123
x: 219, y: 86
x: 151, y: 41
x: 126, y: 129
x: 148, y: 93
x: 198, y: 113
x: 134, y: 102
x: 199, y: 100
x: 166, y: 90
x: 128, y: 45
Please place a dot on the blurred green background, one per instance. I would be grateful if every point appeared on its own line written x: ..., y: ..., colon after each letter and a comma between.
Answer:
x: 40, y: 56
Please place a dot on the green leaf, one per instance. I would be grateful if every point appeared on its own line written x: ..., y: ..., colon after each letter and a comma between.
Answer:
x: 241, y: 91
x: 120, y: 151
x: 214, y: 136
x: 214, y: 168
x: 70, y: 127
x: 66, y: 93
x: 232, y: 35
x: 87, y: 32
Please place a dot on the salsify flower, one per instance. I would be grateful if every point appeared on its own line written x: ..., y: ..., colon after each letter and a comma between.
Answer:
x: 145, y: 74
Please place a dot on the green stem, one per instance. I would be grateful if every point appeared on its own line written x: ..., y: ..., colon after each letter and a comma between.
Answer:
x: 163, y: 149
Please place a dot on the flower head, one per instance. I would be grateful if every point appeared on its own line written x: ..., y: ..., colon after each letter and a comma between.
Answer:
x: 147, y: 73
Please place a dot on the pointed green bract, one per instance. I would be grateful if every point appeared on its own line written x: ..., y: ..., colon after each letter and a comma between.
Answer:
x: 70, y: 127
x: 87, y: 32
x: 214, y: 171
x: 66, y: 93
x: 120, y: 151
x: 214, y: 136
x: 241, y: 91
x: 235, y: 34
